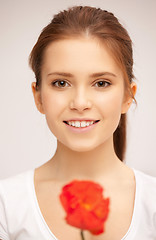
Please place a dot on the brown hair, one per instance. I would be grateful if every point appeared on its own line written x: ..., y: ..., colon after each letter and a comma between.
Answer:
x: 102, y: 25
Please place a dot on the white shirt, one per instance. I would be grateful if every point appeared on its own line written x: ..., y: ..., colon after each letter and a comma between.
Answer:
x: 21, y: 217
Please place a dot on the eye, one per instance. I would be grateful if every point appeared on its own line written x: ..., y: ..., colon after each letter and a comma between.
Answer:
x: 60, y: 83
x: 103, y: 84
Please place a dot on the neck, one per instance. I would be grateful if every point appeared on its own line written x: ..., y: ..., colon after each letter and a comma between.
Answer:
x: 68, y: 164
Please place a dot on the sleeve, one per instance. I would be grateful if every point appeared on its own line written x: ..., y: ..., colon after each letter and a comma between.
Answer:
x: 154, y: 222
x: 3, y: 221
x: 151, y: 200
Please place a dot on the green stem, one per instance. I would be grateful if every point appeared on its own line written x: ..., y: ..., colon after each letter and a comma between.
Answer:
x: 82, y: 235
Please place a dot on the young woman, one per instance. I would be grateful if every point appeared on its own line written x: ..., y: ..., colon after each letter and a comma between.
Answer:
x: 83, y: 66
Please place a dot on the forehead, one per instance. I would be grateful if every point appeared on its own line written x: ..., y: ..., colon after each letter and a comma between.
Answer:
x: 82, y: 54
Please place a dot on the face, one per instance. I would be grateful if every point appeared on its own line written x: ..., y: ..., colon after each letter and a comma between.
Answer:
x: 81, y: 84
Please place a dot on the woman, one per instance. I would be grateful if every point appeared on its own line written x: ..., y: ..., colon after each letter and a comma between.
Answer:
x: 83, y: 66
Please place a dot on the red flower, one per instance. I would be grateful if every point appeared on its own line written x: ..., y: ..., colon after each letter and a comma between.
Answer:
x: 85, y: 205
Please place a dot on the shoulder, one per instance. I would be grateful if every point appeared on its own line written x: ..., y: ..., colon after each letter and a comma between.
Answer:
x: 146, y: 198
x: 17, y: 179
x: 145, y: 179
x: 12, y: 187
x: 146, y: 188
x: 14, y: 201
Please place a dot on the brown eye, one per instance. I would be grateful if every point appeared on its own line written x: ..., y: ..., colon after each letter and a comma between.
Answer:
x: 60, y: 83
x: 102, y: 84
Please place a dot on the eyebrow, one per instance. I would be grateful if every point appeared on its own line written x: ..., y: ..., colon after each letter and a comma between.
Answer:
x: 99, y: 74
x: 102, y: 74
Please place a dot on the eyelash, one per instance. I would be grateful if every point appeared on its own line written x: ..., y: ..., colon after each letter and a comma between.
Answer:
x: 58, y: 81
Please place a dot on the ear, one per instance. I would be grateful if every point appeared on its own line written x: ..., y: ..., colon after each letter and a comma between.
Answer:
x: 128, y: 98
x: 37, y: 98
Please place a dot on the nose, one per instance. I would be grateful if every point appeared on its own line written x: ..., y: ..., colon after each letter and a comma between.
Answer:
x: 80, y: 100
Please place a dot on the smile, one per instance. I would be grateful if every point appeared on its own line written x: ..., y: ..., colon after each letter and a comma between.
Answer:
x: 80, y: 124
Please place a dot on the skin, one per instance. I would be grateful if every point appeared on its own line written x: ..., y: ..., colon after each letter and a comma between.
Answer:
x: 82, y: 97
x: 88, y: 155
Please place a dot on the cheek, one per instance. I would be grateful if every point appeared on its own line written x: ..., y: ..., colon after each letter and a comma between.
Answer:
x: 110, y: 105
x: 53, y: 105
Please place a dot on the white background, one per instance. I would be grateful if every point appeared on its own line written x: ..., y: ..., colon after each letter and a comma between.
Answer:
x: 25, y: 140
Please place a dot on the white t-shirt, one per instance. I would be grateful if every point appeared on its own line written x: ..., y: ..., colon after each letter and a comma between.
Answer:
x: 21, y: 217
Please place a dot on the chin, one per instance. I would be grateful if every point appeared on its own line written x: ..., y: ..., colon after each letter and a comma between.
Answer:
x: 81, y: 148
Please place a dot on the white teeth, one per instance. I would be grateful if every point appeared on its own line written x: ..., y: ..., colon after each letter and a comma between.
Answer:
x: 73, y: 124
x: 79, y: 124
x: 83, y: 124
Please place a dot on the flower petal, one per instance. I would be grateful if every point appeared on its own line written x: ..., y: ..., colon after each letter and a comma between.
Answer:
x: 85, y: 205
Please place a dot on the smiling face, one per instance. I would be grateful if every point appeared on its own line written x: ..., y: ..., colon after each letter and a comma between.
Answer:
x: 81, y: 81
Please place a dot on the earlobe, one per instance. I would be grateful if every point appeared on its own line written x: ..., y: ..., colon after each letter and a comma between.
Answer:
x: 126, y: 105
x: 37, y: 97
x: 133, y: 88
x: 129, y: 99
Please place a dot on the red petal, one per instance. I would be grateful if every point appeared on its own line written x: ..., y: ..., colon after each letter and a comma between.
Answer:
x: 85, y: 205
x: 97, y: 231
x: 84, y: 220
x: 102, y: 209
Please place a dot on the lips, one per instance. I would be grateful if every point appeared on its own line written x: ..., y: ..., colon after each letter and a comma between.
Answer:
x: 94, y: 121
x: 80, y: 123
